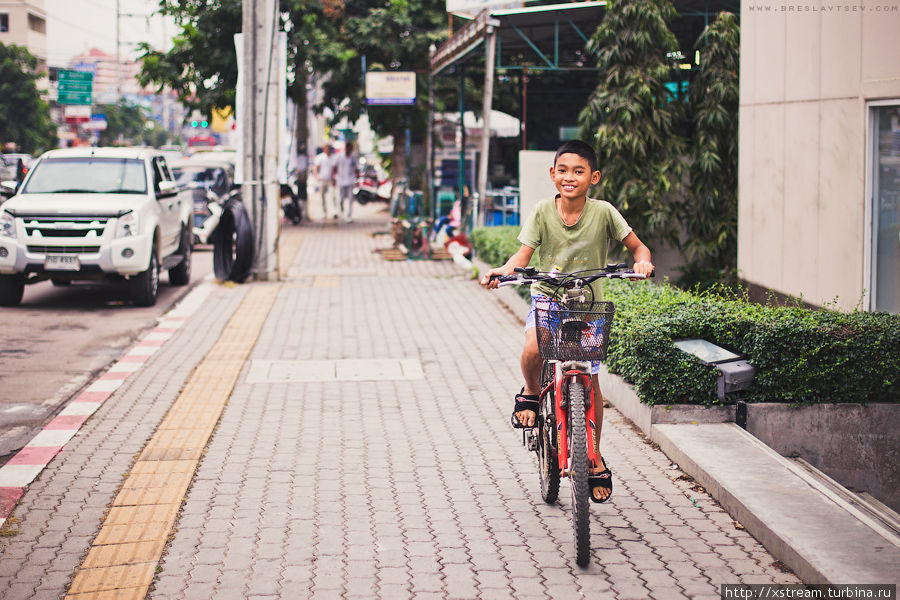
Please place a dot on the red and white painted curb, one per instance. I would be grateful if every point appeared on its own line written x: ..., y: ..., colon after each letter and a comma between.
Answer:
x: 24, y: 467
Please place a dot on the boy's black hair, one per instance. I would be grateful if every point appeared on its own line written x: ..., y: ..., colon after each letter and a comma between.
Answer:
x: 582, y: 149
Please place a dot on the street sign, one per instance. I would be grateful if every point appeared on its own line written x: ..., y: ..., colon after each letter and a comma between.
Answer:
x: 69, y: 75
x: 97, y: 123
x: 77, y: 114
x: 390, y: 87
x: 64, y: 97
x: 74, y: 87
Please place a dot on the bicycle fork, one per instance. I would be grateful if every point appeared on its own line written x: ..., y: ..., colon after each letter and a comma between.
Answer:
x: 566, y: 374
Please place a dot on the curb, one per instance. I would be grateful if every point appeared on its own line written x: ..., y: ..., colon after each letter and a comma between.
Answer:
x: 22, y: 469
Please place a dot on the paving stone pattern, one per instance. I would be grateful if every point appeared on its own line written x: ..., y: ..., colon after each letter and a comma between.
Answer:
x: 388, y: 489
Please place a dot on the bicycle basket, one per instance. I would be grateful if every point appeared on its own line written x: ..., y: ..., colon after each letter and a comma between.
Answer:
x: 576, y: 331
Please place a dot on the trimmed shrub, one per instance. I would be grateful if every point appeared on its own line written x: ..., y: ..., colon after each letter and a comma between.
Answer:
x: 494, y: 245
x: 801, y: 355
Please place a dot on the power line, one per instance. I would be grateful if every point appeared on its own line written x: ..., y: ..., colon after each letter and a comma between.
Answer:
x: 77, y: 26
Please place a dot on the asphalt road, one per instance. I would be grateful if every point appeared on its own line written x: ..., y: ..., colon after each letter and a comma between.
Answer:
x: 59, y: 338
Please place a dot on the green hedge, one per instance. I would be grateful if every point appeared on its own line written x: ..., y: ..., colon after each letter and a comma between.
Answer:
x: 494, y: 245
x: 802, y: 355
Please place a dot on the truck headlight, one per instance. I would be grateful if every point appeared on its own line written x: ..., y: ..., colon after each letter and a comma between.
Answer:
x: 127, y: 225
x: 7, y: 225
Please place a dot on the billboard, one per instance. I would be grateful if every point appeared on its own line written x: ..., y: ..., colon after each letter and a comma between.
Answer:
x: 390, y: 87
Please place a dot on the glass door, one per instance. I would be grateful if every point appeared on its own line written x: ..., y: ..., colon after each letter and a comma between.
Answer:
x: 886, y: 209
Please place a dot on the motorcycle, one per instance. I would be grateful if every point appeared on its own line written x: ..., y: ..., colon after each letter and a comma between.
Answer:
x: 367, y: 187
x: 293, y: 201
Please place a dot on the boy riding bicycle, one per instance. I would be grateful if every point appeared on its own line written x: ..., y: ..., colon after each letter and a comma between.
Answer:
x: 570, y: 233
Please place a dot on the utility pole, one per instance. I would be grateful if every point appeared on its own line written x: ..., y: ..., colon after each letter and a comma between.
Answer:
x: 118, y: 51
x: 260, y: 130
x: 487, y: 106
x: 119, y: 44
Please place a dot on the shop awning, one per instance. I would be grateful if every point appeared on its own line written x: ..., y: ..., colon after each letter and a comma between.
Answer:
x: 539, y: 37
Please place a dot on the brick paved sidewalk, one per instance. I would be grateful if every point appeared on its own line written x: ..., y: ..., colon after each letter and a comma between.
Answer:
x: 403, y: 479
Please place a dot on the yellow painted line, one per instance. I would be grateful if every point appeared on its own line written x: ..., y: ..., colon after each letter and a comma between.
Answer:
x: 125, y: 554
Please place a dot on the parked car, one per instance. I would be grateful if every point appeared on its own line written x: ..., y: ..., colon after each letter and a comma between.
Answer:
x: 172, y: 152
x: 95, y: 213
x: 9, y: 165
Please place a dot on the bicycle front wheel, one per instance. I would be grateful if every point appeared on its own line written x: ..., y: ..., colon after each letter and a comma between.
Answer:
x: 578, y: 472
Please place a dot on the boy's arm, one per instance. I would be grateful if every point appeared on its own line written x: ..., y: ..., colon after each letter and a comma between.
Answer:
x: 519, y: 259
x: 640, y: 253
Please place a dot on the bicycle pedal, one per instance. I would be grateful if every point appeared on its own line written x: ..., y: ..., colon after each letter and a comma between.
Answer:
x: 530, y: 440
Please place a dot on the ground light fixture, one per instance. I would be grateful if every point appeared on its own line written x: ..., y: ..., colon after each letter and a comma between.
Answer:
x: 735, y: 373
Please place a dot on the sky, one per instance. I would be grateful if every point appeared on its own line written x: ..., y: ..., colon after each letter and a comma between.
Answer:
x: 74, y: 26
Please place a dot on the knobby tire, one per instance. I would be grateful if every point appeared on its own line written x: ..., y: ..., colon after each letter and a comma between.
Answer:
x: 578, y: 456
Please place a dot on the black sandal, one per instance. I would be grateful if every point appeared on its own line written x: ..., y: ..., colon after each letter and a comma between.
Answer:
x: 524, y: 402
x: 603, y: 479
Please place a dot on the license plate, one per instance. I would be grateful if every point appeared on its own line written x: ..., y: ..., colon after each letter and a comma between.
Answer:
x: 61, y: 262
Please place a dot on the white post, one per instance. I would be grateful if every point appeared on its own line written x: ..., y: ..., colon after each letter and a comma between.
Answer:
x: 260, y: 129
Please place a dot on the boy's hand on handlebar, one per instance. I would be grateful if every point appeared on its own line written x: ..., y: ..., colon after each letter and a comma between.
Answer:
x: 490, y: 280
x: 644, y: 267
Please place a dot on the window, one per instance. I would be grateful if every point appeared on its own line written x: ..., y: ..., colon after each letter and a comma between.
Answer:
x: 885, y: 186
x: 4, y: 22
x: 36, y: 23
x: 87, y: 175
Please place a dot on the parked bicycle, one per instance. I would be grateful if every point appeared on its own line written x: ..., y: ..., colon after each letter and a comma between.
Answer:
x: 572, y: 331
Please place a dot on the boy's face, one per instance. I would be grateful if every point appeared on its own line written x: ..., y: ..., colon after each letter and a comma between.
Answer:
x: 573, y: 177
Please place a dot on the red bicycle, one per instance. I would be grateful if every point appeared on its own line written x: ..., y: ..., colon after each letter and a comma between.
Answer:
x: 572, y: 331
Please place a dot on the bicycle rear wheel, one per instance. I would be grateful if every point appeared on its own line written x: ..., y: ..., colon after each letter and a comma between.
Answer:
x: 578, y: 457
x: 548, y: 460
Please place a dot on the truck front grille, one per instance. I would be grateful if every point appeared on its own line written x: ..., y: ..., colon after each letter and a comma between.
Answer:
x: 65, y: 226
x: 63, y: 249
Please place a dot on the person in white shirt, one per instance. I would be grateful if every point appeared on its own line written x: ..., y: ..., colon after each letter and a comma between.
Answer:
x: 323, y: 171
x: 347, y: 170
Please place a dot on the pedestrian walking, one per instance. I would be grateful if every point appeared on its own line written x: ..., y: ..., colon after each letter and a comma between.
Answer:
x: 347, y: 171
x: 323, y: 171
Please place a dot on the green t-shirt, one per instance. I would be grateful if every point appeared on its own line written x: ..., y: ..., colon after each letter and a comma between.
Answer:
x: 583, y: 245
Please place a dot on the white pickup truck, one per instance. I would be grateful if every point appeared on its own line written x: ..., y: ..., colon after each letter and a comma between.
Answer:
x: 95, y: 213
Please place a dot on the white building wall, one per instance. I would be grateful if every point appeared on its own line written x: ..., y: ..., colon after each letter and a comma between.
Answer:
x: 808, y: 68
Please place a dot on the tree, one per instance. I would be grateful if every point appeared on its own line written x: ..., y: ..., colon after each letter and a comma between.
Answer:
x: 24, y: 117
x: 125, y: 123
x: 709, y: 217
x: 326, y: 42
x: 201, y: 67
x: 393, y: 36
x: 633, y: 118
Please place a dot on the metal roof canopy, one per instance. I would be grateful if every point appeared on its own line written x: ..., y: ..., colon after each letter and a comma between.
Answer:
x: 553, y: 36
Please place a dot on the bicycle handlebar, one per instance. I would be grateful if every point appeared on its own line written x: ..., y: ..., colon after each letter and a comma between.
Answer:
x: 569, y: 280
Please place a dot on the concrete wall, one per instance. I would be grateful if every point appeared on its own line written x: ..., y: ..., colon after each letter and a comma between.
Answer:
x: 858, y: 446
x: 807, y: 72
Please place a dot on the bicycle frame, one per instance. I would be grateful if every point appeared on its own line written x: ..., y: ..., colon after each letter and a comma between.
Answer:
x: 564, y: 373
